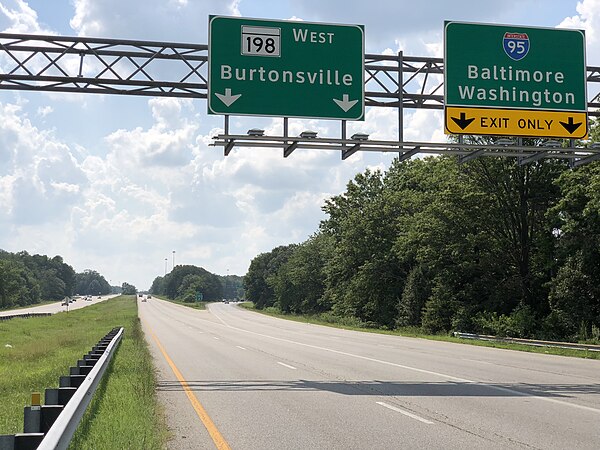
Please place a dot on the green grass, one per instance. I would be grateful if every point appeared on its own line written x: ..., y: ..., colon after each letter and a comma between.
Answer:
x: 124, y: 412
x: 417, y: 333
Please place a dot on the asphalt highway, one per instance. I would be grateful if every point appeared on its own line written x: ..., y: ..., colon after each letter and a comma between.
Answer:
x: 231, y: 378
x: 56, y: 307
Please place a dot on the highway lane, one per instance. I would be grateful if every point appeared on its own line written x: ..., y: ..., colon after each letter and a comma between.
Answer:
x: 56, y: 307
x: 270, y: 383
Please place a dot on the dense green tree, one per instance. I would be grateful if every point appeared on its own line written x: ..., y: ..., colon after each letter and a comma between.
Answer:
x: 489, y: 245
x: 128, y: 289
x: 259, y: 281
x: 18, y: 286
x: 445, y: 230
x: 189, y: 288
x: 90, y: 282
x: 575, y: 290
x: 517, y: 220
x: 66, y: 274
x: 233, y: 286
x: 479, y: 234
x: 185, y: 281
x: 364, y: 277
x: 209, y: 284
x: 256, y: 285
x: 299, y: 283
x: 158, y: 286
x: 417, y: 290
x: 38, y: 277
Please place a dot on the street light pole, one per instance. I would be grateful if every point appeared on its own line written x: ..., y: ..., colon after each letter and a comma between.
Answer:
x: 173, y: 259
x: 165, y: 267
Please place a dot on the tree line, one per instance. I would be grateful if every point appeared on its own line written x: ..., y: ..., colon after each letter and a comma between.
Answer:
x: 29, y: 279
x: 185, y: 282
x: 486, y: 246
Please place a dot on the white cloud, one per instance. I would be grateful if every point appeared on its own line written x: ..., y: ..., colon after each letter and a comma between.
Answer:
x: 424, y: 125
x: 38, y: 171
x: 22, y: 19
x: 172, y: 21
x: 168, y: 143
x: 119, y: 198
x: 588, y: 19
x: 43, y: 111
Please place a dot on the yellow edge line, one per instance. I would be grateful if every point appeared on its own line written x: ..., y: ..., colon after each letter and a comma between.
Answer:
x: 216, y: 436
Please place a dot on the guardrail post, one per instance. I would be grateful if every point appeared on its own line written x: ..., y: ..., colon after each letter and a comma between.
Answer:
x: 52, y: 425
x: 49, y: 415
x: 28, y: 441
x: 32, y: 414
x: 31, y: 419
x: 7, y: 442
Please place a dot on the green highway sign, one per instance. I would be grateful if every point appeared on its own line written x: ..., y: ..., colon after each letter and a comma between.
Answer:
x: 527, y: 81
x: 285, y: 68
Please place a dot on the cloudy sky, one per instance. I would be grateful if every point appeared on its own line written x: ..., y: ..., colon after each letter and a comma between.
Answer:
x: 117, y: 183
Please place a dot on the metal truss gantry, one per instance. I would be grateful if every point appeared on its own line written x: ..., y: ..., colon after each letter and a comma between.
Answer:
x: 102, y: 66
x: 166, y: 69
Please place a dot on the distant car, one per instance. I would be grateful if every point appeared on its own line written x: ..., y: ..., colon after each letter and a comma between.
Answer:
x: 65, y: 303
x: 149, y: 296
x: 144, y: 299
x: 99, y: 296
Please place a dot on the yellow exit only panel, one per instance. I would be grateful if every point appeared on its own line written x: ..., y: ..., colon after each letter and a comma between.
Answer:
x: 516, y: 122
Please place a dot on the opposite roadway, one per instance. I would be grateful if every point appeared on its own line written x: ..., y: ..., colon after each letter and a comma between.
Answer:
x: 231, y: 378
x: 56, y: 307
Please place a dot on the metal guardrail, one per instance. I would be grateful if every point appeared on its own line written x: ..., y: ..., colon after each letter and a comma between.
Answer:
x: 52, y: 425
x: 534, y: 342
x: 24, y: 316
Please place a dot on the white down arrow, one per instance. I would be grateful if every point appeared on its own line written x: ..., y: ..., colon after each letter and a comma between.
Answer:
x: 344, y: 103
x: 227, y: 98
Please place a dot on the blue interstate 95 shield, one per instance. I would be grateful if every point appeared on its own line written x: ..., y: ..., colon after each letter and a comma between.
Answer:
x: 516, y: 45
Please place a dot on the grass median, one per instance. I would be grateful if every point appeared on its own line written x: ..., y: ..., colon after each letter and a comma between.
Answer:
x: 34, y: 352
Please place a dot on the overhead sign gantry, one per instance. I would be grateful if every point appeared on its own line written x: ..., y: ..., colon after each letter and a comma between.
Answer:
x: 285, y: 68
x: 515, y: 81
x: 57, y: 64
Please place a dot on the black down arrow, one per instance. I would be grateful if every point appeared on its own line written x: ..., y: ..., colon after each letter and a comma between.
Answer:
x: 570, y: 126
x: 463, y: 122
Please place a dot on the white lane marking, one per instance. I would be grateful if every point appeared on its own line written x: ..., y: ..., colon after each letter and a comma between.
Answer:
x: 547, y: 399
x: 240, y: 347
x: 214, y: 337
x: 338, y: 352
x: 406, y: 413
x: 286, y: 365
x: 415, y: 369
x: 222, y: 321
